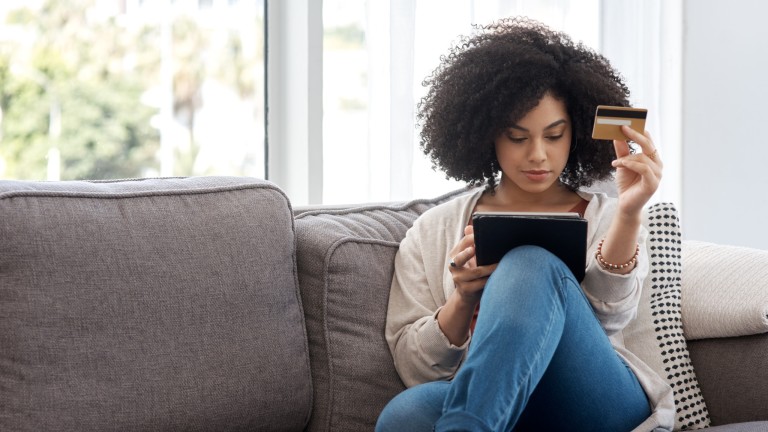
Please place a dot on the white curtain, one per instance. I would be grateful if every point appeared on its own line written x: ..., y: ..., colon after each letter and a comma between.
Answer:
x: 643, y: 39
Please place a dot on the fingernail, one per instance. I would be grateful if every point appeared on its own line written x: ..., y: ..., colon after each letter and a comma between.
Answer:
x: 615, y: 163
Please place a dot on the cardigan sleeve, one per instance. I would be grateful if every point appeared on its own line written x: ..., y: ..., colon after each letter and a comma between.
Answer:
x: 614, y: 297
x: 420, y: 350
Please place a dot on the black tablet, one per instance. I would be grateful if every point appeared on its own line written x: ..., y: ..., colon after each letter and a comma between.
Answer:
x: 563, y: 234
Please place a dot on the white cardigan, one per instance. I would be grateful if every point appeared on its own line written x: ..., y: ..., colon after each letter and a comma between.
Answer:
x: 422, y: 283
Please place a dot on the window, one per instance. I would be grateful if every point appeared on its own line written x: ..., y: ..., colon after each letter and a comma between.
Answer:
x: 97, y: 89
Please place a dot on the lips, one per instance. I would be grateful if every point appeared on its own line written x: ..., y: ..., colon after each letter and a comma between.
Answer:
x: 536, y: 175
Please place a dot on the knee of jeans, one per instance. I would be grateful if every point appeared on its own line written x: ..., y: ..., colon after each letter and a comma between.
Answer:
x: 388, y: 419
x: 390, y: 416
x: 530, y: 256
x: 418, y: 407
x: 529, y: 264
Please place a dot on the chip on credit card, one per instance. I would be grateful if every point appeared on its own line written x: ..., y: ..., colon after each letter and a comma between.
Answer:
x: 609, y: 119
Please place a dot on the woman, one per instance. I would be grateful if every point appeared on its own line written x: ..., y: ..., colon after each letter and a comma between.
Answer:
x: 521, y: 344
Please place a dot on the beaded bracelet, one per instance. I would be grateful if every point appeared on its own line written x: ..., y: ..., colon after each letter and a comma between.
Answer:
x: 609, y: 266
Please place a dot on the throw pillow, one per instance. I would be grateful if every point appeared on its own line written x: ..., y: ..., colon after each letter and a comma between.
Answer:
x: 656, y: 335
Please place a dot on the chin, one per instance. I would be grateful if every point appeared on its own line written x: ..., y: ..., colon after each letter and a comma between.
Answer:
x: 537, y: 187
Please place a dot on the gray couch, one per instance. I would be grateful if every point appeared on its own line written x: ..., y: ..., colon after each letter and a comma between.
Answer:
x: 209, y: 304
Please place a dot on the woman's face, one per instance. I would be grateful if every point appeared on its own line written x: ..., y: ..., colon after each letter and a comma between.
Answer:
x: 533, y: 152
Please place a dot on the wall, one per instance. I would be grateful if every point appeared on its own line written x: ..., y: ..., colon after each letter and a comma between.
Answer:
x: 725, y: 122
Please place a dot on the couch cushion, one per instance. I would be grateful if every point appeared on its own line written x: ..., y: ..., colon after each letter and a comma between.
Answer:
x: 758, y: 426
x: 725, y: 290
x: 733, y: 373
x: 345, y: 263
x: 156, y: 304
x: 656, y: 335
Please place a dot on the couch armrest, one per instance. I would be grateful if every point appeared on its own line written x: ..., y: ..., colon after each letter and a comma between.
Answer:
x: 724, y: 290
x: 733, y: 377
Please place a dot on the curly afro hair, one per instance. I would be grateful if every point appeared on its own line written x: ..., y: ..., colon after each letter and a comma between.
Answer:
x: 489, y: 81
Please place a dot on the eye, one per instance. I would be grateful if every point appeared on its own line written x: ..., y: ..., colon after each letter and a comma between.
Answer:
x: 516, y: 140
x: 554, y: 137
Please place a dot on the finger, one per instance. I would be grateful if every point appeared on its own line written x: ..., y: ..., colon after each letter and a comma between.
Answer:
x: 461, y: 258
x: 654, y: 157
x: 645, y: 170
x: 483, y: 271
x: 468, y: 274
x: 648, y: 135
x: 621, y: 148
x: 465, y: 276
x: 469, y: 230
x: 644, y: 139
x: 639, y: 158
x: 464, y: 242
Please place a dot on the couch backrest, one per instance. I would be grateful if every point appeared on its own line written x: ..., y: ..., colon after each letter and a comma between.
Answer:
x: 156, y: 304
x: 345, y: 263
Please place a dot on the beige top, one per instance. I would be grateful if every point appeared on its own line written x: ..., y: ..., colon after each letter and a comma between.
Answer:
x: 422, y: 283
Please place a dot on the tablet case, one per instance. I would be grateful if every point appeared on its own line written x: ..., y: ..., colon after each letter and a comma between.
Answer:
x: 565, y: 235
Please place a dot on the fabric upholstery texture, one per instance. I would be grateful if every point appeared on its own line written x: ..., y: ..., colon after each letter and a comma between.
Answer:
x: 150, y: 305
x: 656, y: 335
x: 172, y: 304
x: 733, y: 373
x: 725, y: 290
x: 345, y: 266
x: 345, y: 262
x: 759, y: 426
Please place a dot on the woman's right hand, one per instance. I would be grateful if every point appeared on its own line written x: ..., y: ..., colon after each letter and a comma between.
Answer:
x: 468, y: 278
x: 455, y: 317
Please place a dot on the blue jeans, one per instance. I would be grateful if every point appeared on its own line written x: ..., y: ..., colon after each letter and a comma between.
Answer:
x: 539, y: 360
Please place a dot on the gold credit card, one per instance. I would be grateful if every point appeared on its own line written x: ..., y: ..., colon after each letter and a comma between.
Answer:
x: 609, y: 119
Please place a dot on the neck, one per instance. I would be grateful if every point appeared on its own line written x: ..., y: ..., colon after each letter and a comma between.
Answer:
x: 508, y: 194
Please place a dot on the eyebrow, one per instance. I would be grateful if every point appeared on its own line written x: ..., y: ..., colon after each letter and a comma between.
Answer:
x: 557, y: 123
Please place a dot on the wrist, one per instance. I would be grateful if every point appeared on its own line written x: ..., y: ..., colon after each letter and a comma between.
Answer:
x: 464, y: 303
x: 454, y: 319
x: 628, y: 219
x: 623, y: 267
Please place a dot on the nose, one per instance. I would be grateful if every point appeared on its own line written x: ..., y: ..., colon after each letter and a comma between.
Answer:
x: 537, y: 151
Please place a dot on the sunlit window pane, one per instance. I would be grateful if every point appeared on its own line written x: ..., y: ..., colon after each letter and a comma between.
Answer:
x: 98, y: 89
x: 345, y: 101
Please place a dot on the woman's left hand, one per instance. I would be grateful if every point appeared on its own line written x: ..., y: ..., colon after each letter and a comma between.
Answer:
x: 637, y: 175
